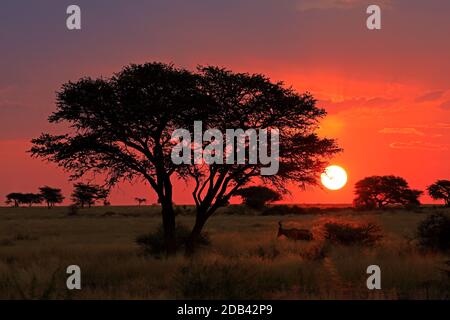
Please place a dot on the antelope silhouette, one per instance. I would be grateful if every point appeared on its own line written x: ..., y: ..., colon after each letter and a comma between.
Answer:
x: 294, y: 234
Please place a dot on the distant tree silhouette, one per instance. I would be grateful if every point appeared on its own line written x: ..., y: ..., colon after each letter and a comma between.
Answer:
x: 14, y: 198
x: 51, y: 196
x: 88, y: 194
x: 121, y: 127
x: 18, y: 198
x: 102, y: 195
x: 32, y: 198
x: 381, y: 191
x: 440, y: 190
x: 258, y: 196
x: 140, y: 201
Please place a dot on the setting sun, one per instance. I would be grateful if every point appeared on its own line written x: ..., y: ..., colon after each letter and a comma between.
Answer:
x: 334, y: 177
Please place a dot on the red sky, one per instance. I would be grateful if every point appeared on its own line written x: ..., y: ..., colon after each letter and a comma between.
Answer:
x: 387, y: 92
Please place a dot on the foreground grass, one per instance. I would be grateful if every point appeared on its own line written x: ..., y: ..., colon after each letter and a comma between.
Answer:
x: 245, y: 260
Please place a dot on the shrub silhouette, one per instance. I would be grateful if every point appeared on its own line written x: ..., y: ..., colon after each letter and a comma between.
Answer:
x: 351, y: 233
x: 257, y: 197
x: 153, y: 243
x: 434, y: 232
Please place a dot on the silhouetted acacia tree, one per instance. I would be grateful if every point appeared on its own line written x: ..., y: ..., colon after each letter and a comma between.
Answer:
x: 31, y: 198
x: 440, y: 190
x: 121, y: 127
x: 88, y: 194
x: 244, y: 101
x: 140, y: 201
x: 258, y: 196
x: 14, y: 198
x: 51, y: 196
x: 381, y: 191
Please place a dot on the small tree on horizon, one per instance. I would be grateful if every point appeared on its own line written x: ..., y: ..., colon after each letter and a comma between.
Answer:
x: 87, y: 194
x: 257, y: 197
x: 18, y: 198
x: 140, y: 201
x: 381, y: 191
x: 51, y: 196
x: 32, y: 198
x: 14, y: 198
x: 440, y: 190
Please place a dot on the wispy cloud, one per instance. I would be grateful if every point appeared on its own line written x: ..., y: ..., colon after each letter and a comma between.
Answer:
x: 438, y: 125
x: 445, y: 105
x: 430, y: 96
x: 420, y: 145
x: 374, y: 102
x: 407, y: 131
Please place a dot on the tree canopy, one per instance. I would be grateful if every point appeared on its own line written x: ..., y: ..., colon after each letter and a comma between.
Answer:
x: 17, y: 198
x: 140, y: 200
x: 87, y: 194
x: 440, y: 190
x: 381, y: 191
x: 51, y: 196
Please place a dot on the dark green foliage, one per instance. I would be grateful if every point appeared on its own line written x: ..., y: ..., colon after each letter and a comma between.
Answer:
x: 434, y: 232
x: 153, y: 243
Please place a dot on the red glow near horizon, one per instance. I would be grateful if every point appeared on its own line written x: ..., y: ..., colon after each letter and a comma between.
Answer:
x: 387, y: 94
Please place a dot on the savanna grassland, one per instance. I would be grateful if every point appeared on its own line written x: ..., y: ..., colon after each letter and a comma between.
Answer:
x: 245, y: 259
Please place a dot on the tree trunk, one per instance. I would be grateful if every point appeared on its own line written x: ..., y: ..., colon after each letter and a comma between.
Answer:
x: 191, y: 242
x: 168, y: 215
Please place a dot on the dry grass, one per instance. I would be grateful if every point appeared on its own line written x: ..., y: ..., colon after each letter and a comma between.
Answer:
x: 245, y: 260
